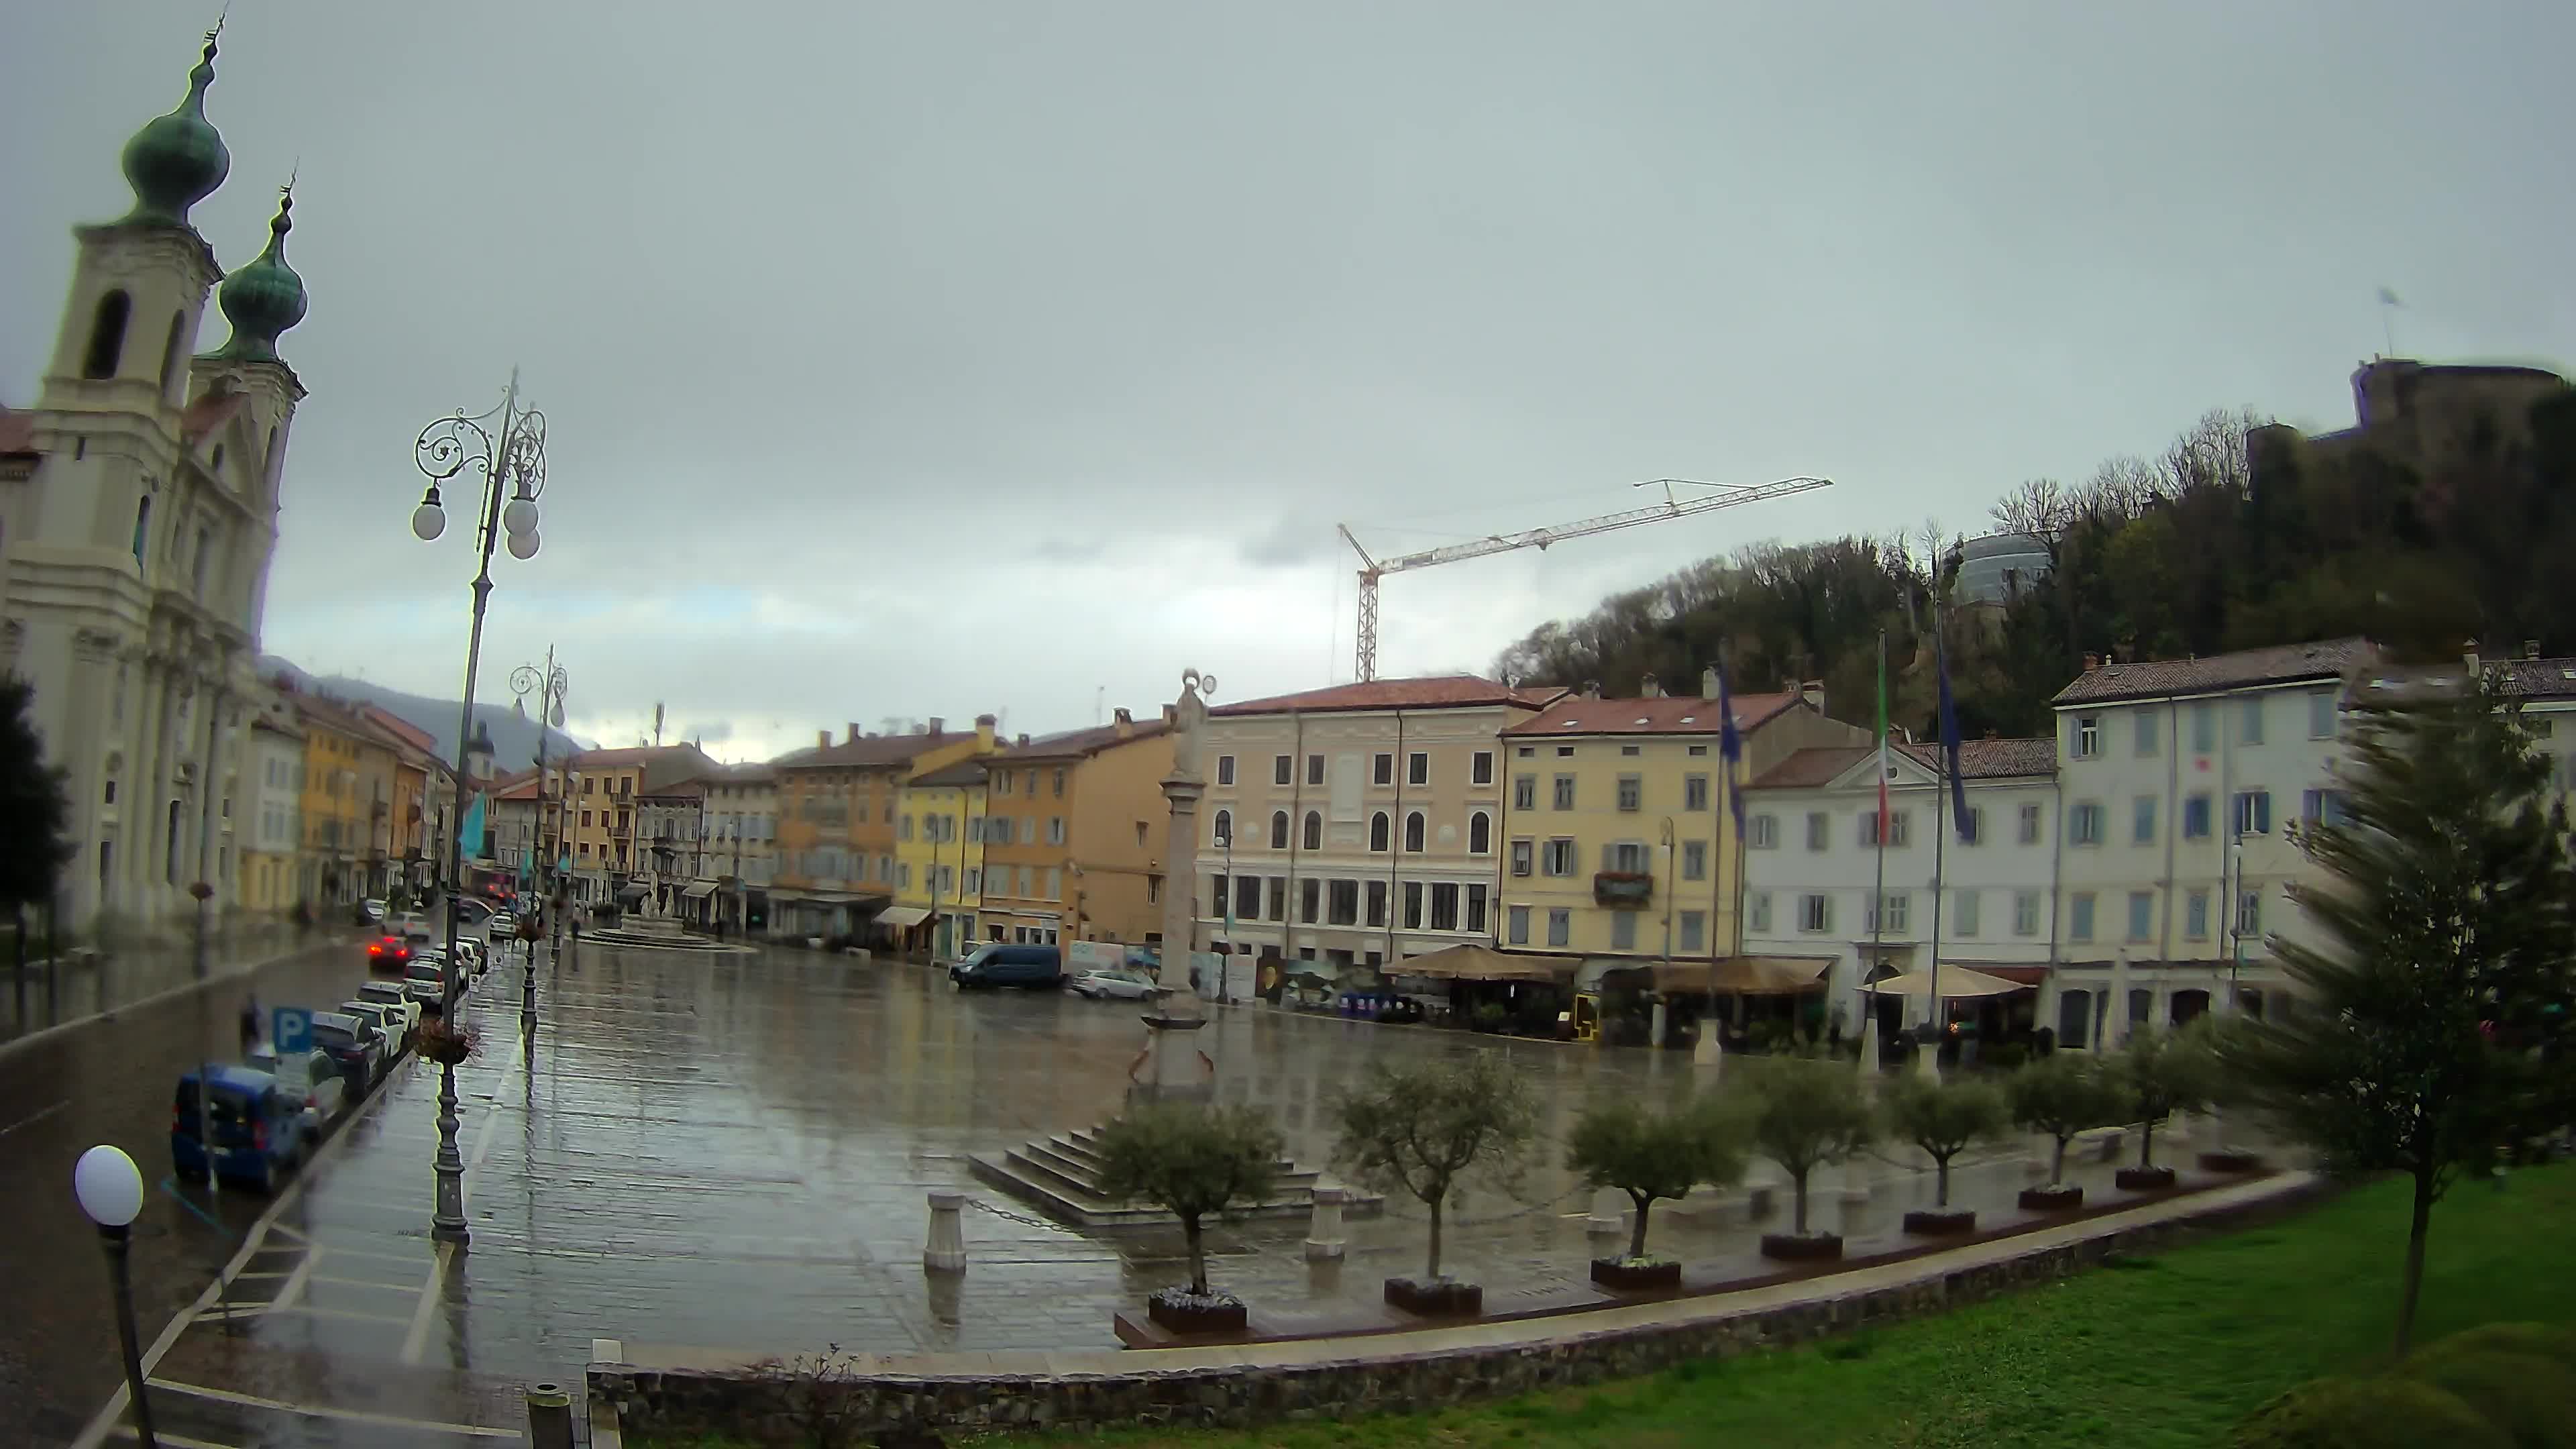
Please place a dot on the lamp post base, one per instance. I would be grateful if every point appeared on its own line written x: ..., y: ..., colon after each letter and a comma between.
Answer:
x: 447, y: 1219
x: 117, y: 1240
x: 1172, y: 1068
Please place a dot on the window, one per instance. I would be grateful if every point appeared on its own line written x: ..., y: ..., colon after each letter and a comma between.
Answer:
x: 1314, y: 769
x: 1378, y: 831
x: 1480, y: 834
x: 1480, y: 768
x: 2084, y: 824
x: 2079, y: 916
x: 1413, y: 831
x: 1417, y: 769
x: 1565, y: 752
x: 1815, y: 913
x: 2030, y: 819
x: 173, y: 347
x: 1757, y: 910
x: 974, y: 879
x: 2321, y: 715
x: 1314, y: 831
x: 1559, y: 858
x: 1059, y: 784
x: 1278, y: 830
x: 110, y: 798
x: 2142, y: 820
x: 2254, y: 812
x: 2025, y: 913
x: 1762, y: 832
x: 1310, y: 898
x: 2249, y: 913
x: 2204, y: 727
x: 1153, y: 890
x: 1890, y: 915
x: 1976, y: 826
x: 2195, y: 915
x: 1623, y: 930
x: 1560, y: 926
x: 107, y: 335
x: 1963, y: 912
x: 2142, y: 915
x: 1819, y: 829
x: 1376, y: 903
x: 1413, y: 905
x: 2249, y: 729
x: 1516, y: 926
x: 1282, y: 769
x: 1444, y: 905
x: 1002, y: 782
x: 1632, y: 792
x: 1224, y: 834
x: 1279, y: 898
x: 1224, y: 773
x: 1525, y: 792
x: 1694, y: 792
x: 2146, y: 734
x: 1564, y: 797
x: 2084, y: 740
x: 2195, y: 817
x: 1344, y: 897
x: 1694, y: 931
x: 1382, y: 768
x: 2074, y: 1018
x: 1694, y: 860
x: 1475, y: 907
x: 585, y: 820
x: 1624, y: 855
x: 1247, y: 893
x: 1522, y: 852
x: 1898, y: 830
x: 142, y: 528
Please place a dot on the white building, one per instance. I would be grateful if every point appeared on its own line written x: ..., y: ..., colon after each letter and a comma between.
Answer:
x: 742, y: 842
x: 275, y: 809
x: 138, y: 513
x: 1812, y: 822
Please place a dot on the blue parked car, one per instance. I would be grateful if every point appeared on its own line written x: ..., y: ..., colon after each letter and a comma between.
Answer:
x: 259, y: 1128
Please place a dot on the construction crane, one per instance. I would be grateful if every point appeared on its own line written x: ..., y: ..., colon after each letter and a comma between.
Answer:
x: 1728, y: 495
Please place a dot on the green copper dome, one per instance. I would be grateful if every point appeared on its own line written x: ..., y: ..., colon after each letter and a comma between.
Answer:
x: 177, y: 160
x: 263, y: 299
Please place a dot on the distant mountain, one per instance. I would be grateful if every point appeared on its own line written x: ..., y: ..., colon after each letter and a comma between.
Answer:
x: 514, y: 736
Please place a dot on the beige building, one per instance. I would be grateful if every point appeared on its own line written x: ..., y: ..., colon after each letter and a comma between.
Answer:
x: 1073, y: 828
x: 600, y: 816
x: 1356, y: 825
x: 742, y: 842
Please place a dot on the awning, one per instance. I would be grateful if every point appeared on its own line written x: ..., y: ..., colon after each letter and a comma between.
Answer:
x: 636, y: 891
x: 1956, y: 982
x: 698, y: 890
x: 1483, y: 963
x: 1737, y: 975
x: 902, y: 918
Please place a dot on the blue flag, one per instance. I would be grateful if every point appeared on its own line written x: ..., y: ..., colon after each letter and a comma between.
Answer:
x: 1950, y: 740
x: 1730, y: 748
x: 471, y: 837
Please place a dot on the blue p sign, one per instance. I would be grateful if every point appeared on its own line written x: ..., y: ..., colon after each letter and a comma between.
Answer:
x: 292, y: 1030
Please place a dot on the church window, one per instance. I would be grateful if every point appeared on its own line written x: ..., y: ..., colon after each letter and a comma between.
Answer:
x: 173, y: 350
x: 107, y: 335
x: 142, y: 527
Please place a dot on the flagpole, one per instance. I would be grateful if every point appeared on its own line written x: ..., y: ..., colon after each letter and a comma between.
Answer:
x: 1940, y: 836
x: 1878, y: 893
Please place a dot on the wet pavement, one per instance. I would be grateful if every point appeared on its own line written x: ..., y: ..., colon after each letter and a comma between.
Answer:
x: 733, y: 1152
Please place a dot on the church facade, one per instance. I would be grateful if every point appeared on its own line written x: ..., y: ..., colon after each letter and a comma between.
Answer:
x: 138, y: 518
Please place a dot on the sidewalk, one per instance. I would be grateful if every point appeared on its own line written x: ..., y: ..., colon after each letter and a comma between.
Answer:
x: 88, y: 984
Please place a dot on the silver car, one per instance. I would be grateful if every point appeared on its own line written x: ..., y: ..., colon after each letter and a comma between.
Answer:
x: 1112, y: 983
x: 309, y: 1077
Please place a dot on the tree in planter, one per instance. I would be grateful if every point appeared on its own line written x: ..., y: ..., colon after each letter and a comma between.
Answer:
x: 2163, y: 1072
x: 1424, y: 1127
x: 1193, y: 1161
x: 34, y: 800
x: 2432, y: 1036
x: 1943, y: 1117
x: 1807, y: 1112
x: 2063, y: 1094
x: 1620, y: 1143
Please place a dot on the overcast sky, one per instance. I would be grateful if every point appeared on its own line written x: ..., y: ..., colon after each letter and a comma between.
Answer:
x: 934, y: 359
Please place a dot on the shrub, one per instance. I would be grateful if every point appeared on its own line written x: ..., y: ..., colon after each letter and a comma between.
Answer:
x: 2517, y: 1380
x: 1942, y: 1117
x: 1648, y: 1155
x: 1423, y: 1125
x: 2004, y: 1056
x: 1193, y: 1161
x: 2373, y: 1413
x: 2165, y: 1073
x: 2062, y: 1094
x: 1807, y: 1112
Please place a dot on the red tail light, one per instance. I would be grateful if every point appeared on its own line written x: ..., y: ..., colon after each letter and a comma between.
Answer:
x: 259, y: 1136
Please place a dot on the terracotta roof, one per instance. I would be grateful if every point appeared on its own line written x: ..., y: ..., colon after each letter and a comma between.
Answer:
x: 681, y: 788
x: 2280, y: 664
x: 208, y: 413
x: 1452, y: 691
x: 1808, y: 768
x: 1076, y: 744
x: 643, y: 757
x: 963, y: 774
x: 1818, y: 765
x: 867, y: 750
x: 1659, y: 715
x: 400, y: 728
x: 2535, y: 678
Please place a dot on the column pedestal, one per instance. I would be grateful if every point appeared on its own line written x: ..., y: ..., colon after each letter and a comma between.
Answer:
x: 945, y: 1252
x: 1324, y: 1229
x: 1172, y: 1070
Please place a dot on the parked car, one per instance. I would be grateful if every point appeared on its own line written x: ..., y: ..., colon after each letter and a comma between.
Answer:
x: 388, y: 953
x: 425, y: 980
x: 414, y: 926
x: 387, y: 1022
x: 312, y: 1076
x: 470, y: 952
x: 474, y: 910
x: 352, y: 1044
x: 501, y: 927
x: 1035, y: 968
x: 1121, y: 983
x: 370, y: 911
x: 397, y: 1001
x: 257, y: 1128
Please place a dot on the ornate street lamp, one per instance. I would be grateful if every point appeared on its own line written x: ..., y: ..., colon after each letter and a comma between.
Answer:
x: 548, y: 685
x: 110, y: 1190
x: 513, y: 475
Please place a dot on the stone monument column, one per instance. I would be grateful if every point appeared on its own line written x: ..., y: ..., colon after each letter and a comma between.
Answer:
x: 1171, y: 1068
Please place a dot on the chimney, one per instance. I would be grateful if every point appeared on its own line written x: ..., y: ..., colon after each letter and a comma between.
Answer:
x: 1708, y: 682
x: 1022, y: 742
x: 2469, y: 656
x: 2530, y: 648
x: 1592, y: 689
x: 1171, y: 714
x: 1123, y: 722
x: 937, y: 726
x: 1812, y: 694
x: 852, y: 737
x: 2092, y: 663
x: 1650, y: 688
x: 822, y: 739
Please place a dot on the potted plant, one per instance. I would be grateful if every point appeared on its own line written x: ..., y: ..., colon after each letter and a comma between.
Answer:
x: 2164, y: 1073
x: 2063, y: 1094
x: 1620, y: 1143
x: 1422, y: 1128
x: 1807, y: 1112
x: 1943, y: 1117
x: 1193, y: 1161
x: 441, y: 1041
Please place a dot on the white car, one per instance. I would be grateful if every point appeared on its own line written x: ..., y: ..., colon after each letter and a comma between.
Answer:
x: 389, y: 1024
x: 390, y: 994
x: 1105, y: 983
x: 501, y: 927
x: 311, y: 1077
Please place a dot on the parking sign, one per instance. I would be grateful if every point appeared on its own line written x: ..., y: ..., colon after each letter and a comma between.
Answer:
x: 292, y: 1030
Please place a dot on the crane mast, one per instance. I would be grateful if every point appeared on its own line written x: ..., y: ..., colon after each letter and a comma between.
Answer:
x: 1674, y: 506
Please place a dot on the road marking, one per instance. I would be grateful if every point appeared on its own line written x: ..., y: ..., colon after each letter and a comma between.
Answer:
x: 164, y: 1436
x: 296, y: 1279
x: 339, y: 1282
x: 323, y: 1411
x: 36, y: 1116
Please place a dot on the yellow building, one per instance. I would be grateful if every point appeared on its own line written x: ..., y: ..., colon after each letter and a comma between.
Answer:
x: 939, y: 853
x: 345, y: 762
x: 1617, y: 841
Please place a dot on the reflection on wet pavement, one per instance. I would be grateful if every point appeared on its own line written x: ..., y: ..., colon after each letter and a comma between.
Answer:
x: 733, y: 1152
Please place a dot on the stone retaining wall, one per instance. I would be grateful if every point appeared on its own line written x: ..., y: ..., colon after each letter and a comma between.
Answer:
x: 1370, y: 1375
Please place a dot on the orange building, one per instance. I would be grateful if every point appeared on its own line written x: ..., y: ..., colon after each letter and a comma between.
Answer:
x: 1071, y: 834
x: 837, y: 822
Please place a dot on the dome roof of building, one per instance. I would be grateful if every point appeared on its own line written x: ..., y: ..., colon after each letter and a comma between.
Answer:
x: 263, y: 299
x: 177, y: 160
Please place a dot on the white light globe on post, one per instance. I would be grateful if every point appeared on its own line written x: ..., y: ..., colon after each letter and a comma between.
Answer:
x: 519, y: 515
x: 109, y: 1186
x: 523, y: 546
x: 428, y: 521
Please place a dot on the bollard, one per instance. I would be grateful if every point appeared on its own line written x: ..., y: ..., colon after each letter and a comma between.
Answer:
x: 1609, y: 1216
x: 1762, y: 1184
x: 1324, y: 1231
x: 1853, y: 1201
x: 549, y: 1417
x: 946, y: 1250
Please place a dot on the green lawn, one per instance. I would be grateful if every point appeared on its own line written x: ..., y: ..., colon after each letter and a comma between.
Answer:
x: 2163, y: 1351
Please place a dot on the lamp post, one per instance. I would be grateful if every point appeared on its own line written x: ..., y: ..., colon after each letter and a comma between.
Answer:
x: 1225, y: 962
x: 110, y: 1190
x: 548, y: 685
x: 512, y: 465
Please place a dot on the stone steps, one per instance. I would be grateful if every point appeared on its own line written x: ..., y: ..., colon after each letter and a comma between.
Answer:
x: 1060, y: 1175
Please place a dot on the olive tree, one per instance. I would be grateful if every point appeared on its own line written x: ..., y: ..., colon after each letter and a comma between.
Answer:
x: 1944, y: 1118
x: 1647, y: 1154
x: 1422, y: 1127
x: 1806, y: 1113
x: 2163, y: 1072
x: 2063, y: 1094
x: 1194, y: 1161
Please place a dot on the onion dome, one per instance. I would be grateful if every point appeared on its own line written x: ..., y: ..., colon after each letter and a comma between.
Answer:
x: 264, y: 298
x: 177, y: 160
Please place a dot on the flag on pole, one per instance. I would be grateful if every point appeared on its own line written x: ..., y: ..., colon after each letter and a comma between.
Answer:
x: 1950, y: 739
x: 2388, y: 298
x: 1730, y: 748
x: 1883, y: 764
x: 471, y: 837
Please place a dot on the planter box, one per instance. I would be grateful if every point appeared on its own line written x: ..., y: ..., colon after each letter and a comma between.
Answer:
x: 1184, y: 1313
x: 2143, y: 1179
x: 1440, y: 1298
x: 1802, y: 1247
x: 2065, y: 1198
x: 1628, y: 1277
x: 1940, y: 1222
x: 2231, y: 1160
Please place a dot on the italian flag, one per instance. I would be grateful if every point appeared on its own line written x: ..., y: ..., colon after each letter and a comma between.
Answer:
x: 1882, y: 740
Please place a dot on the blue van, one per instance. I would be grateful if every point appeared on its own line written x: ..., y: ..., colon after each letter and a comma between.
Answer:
x: 1036, y: 968
x: 258, y: 1127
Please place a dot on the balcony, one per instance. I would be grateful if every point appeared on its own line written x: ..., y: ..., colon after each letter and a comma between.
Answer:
x: 1623, y: 890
